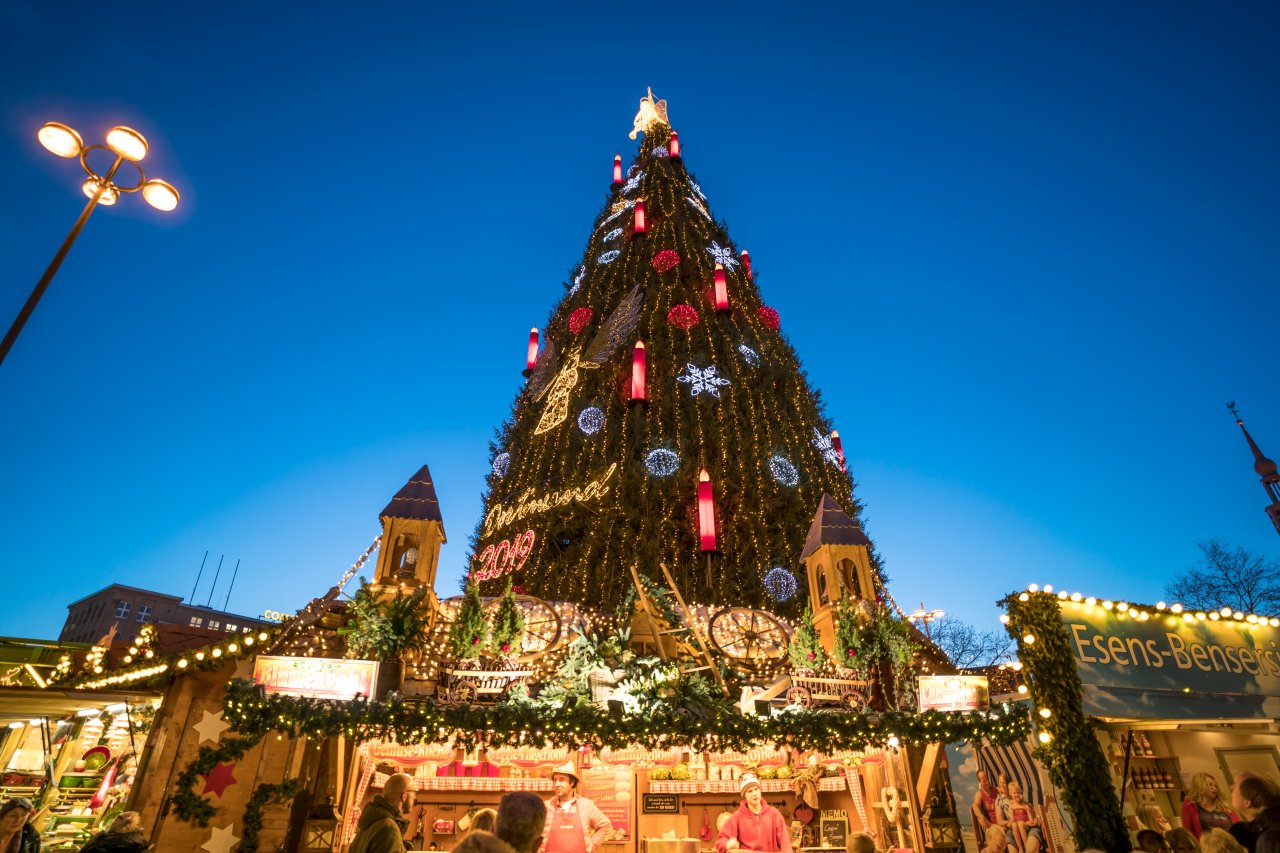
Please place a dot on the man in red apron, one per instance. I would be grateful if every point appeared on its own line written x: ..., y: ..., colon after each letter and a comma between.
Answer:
x: 574, y: 823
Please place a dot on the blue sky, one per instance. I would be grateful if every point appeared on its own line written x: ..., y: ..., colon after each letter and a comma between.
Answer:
x: 1026, y: 251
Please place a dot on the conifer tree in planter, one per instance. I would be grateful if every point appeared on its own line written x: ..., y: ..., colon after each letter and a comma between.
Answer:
x: 384, y: 630
x: 805, y: 649
x: 850, y: 660
x: 508, y: 630
x: 467, y: 634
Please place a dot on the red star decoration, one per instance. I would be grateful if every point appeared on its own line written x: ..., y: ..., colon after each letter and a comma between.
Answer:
x: 218, y: 779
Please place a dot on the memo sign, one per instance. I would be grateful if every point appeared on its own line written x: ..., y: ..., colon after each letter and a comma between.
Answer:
x: 507, y: 556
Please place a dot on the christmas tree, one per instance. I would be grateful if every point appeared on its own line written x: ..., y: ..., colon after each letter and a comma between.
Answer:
x: 666, y: 419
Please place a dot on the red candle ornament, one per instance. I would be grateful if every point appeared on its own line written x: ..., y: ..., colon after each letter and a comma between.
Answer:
x: 617, y: 169
x: 746, y: 263
x: 637, y: 373
x: 706, y: 512
x: 640, y: 227
x: 532, y: 360
x: 835, y: 444
x: 722, y: 290
x: 674, y: 147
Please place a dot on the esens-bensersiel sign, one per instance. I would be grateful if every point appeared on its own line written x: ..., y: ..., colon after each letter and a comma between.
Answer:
x: 1170, y: 653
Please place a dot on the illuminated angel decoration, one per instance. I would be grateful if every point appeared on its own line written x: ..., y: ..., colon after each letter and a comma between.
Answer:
x: 651, y: 112
x: 556, y: 381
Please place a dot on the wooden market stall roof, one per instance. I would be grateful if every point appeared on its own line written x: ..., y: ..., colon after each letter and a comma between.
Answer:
x: 20, y: 704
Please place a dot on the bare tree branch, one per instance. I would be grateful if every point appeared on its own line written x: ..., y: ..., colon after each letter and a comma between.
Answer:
x: 1229, y: 576
x: 968, y: 647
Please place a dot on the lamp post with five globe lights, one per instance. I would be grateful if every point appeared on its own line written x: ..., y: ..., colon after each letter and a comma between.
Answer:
x: 128, y: 146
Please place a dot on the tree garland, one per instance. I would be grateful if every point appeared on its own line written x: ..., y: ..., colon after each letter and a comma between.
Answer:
x: 263, y: 795
x: 715, y: 725
x: 193, y: 807
x: 1068, y: 749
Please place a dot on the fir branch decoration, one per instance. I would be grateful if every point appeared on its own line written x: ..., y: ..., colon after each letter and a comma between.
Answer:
x: 805, y: 649
x: 263, y: 795
x: 1072, y: 754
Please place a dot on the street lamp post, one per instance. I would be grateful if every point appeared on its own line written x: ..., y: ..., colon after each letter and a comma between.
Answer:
x: 128, y: 146
x: 924, y: 617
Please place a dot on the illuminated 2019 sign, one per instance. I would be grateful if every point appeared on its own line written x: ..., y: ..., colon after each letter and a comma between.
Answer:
x: 509, y: 555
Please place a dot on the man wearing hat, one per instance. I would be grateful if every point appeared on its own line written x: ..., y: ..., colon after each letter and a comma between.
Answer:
x: 756, y: 827
x: 574, y: 824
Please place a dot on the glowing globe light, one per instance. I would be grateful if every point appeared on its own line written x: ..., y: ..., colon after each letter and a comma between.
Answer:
x: 662, y: 462
x: 590, y: 420
x: 783, y: 471
x: 501, y: 463
x: 780, y: 584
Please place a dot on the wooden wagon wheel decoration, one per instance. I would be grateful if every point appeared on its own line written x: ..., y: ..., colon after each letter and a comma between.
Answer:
x: 854, y: 701
x: 464, y: 692
x: 751, y: 637
x: 801, y: 696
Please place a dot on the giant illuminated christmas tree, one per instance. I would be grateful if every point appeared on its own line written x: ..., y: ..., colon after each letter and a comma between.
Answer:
x: 665, y: 419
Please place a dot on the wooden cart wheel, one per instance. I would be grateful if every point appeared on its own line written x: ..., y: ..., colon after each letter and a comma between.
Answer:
x: 854, y: 701
x: 464, y: 693
x: 753, y: 637
x: 800, y: 696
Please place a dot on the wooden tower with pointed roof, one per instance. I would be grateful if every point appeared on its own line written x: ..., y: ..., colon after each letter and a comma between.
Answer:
x: 837, y: 559
x: 1266, y: 470
x: 412, y: 533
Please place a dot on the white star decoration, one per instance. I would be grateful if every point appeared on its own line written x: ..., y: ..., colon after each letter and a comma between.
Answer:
x: 702, y: 379
x: 723, y: 256
x: 221, y: 840
x: 244, y: 669
x: 823, y: 443
x: 211, y: 727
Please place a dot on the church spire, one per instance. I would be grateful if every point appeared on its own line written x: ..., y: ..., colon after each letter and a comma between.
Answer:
x: 1266, y: 469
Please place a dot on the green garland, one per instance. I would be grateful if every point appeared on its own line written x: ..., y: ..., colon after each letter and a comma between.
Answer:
x: 716, y: 724
x: 1069, y: 748
x: 263, y: 795
x: 193, y: 807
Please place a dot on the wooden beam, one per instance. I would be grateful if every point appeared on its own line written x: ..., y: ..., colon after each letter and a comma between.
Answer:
x: 928, y: 768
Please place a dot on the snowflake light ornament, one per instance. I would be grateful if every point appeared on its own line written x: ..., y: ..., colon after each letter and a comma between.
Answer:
x: 590, y: 420
x: 702, y: 379
x: 749, y: 355
x: 724, y: 257
x: 661, y: 462
x: 780, y: 584
x: 633, y: 182
x: 609, y: 256
x: 823, y: 444
x: 613, y: 235
x: 698, y: 206
x: 783, y: 471
x: 501, y: 463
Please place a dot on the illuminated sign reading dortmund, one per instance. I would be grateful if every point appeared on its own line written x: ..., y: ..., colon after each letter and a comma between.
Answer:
x: 1170, y: 653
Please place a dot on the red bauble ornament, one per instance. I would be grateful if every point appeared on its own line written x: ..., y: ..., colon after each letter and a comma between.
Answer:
x: 683, y: 317
x: 850, y: 653
x: 580, y: 319
x: 506, y: 647
x: 769, y: 317
x: 475, y: 641
x: 665, y: 260
x: 812, y: 656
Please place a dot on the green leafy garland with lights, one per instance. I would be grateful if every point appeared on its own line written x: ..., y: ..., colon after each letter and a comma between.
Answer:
x: 717, y: 724
x: 193, y: 807
x: 1068, y: 749
x: 263, y: 795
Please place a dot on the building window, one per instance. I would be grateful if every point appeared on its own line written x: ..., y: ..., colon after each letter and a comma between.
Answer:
x: 122, y: 609
x: 144, y: 613
x: 231, y: 629
x: 196, y: 621
x: 214, y: 624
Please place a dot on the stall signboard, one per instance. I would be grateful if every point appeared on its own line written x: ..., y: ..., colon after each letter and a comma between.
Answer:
x: 317, y: 678
x: 409, y: 754
x: 1170, y: 653
x: 953, y: 693
x: 660, y: 803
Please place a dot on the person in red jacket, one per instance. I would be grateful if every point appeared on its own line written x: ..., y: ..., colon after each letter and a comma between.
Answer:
x: 756, y: 827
